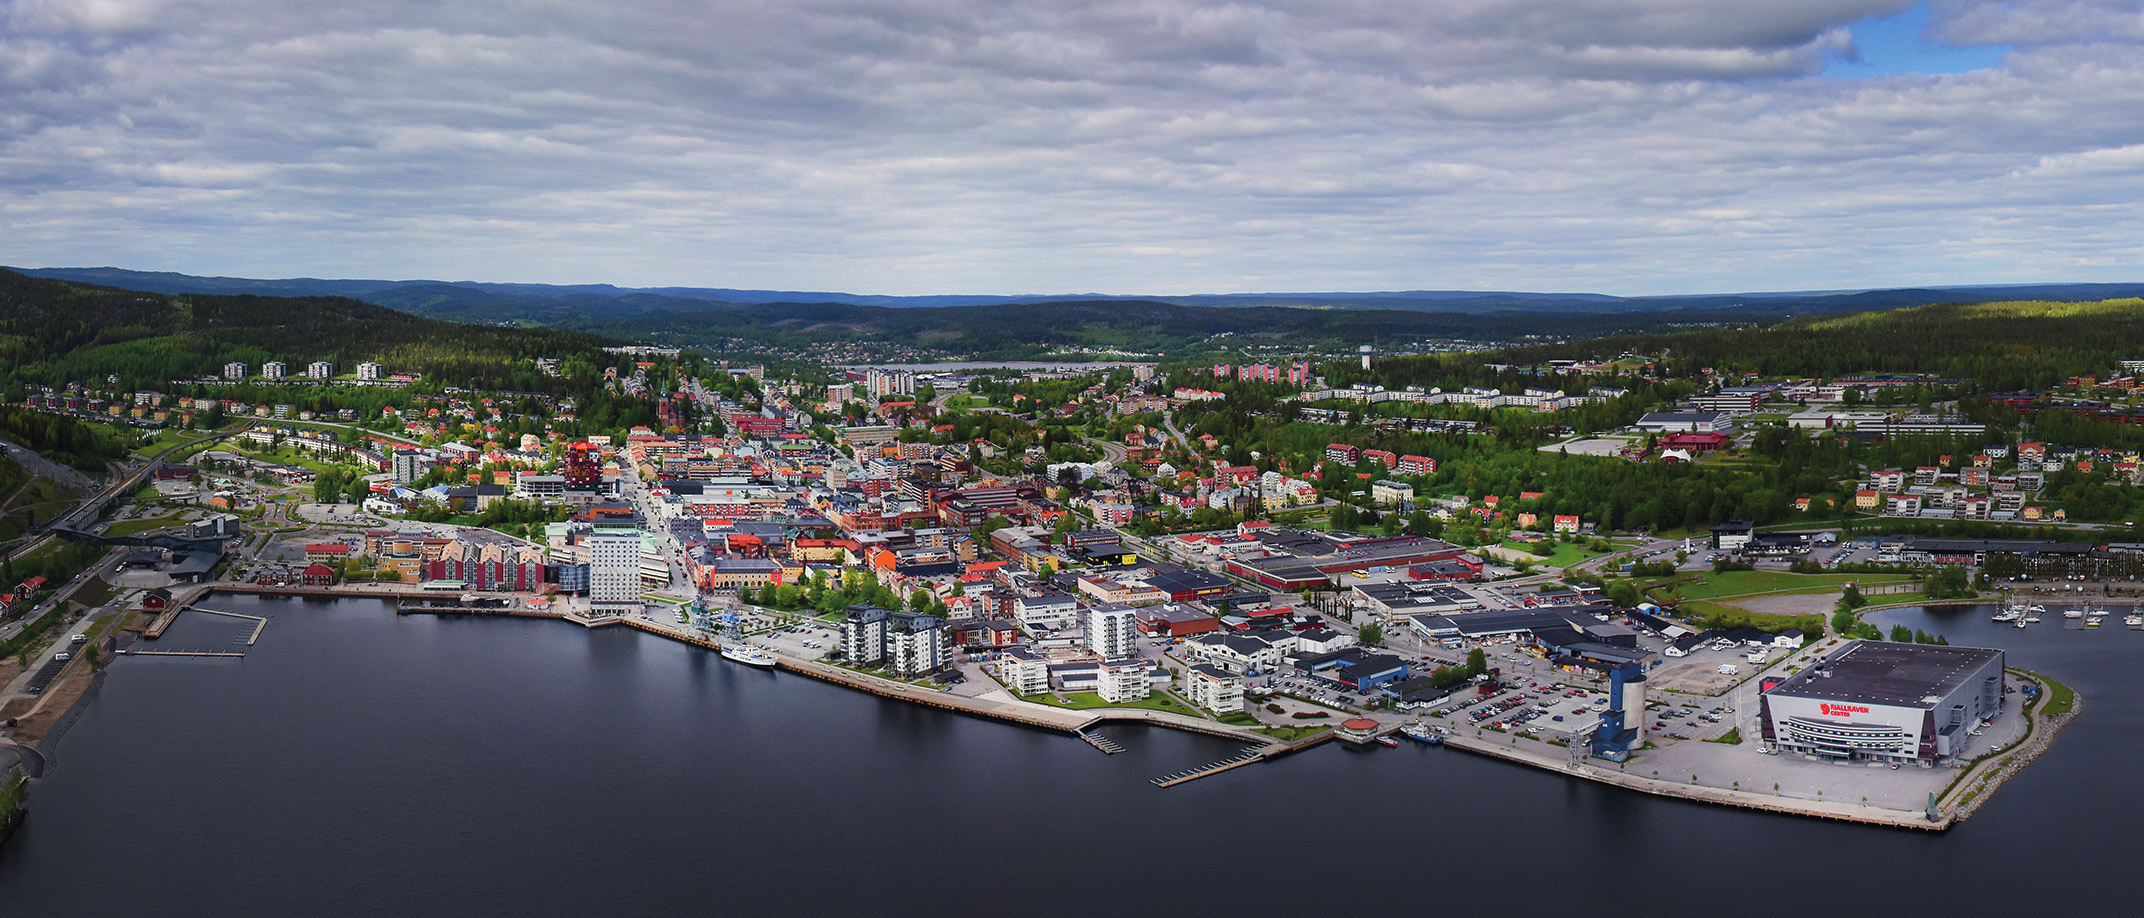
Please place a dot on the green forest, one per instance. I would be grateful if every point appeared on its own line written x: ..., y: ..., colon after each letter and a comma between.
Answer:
x: 52, y: 332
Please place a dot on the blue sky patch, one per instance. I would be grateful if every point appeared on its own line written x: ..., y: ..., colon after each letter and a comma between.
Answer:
x: 1898, y: 44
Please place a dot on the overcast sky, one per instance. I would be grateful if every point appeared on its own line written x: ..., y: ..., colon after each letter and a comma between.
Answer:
x: 1054, y: 146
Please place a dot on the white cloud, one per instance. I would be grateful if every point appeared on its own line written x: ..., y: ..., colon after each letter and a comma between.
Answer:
x: 1629, y: 146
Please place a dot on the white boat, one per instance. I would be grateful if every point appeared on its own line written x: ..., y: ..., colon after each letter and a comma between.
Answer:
x: 2134, y: 620
x: 2073, y: 613
x: 2035, y: 610
x: 748, y: 655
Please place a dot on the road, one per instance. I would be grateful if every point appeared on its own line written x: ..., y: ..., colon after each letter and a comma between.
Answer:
x: 87, y: 511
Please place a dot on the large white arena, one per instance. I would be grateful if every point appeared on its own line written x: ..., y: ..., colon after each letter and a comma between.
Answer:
x: 1878, y: 701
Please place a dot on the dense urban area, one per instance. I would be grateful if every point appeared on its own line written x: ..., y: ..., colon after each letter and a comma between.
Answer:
x: 1600, y: 551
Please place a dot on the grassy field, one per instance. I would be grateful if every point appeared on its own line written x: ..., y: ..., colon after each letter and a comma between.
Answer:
x: 165, y: 439
x: 17, y: 520
x: 130, y: 527
x: 2060, y: 698
x: 1742, y: 583
x: 1080, y: 701
x: 1290, y: 734
x: 1566, y: 554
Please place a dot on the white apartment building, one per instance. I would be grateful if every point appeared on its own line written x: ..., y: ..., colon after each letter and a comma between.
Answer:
x: 320, y: 369
x: 614, y: 572
x: 1023, y: 672
x: 275, y: 369
x: 1123, y: 681
x: 234, y: 370
x: 369, y: 370
x: 1112, y: 631
x: 1214, y: 688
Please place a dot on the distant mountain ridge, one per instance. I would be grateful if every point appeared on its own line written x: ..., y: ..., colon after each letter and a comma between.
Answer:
x: 545, y: 304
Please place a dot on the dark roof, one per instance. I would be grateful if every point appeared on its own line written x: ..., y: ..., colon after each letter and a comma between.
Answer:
x: 1882, y: 672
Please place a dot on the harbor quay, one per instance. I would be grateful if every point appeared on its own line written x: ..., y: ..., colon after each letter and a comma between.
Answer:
x: 1723, y: 774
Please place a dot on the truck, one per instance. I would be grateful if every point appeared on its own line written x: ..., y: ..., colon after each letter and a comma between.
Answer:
x: 1729, y: 669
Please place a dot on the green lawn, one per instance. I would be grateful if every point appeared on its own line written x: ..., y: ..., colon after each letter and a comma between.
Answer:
x: 1291, y: 734
x: 1080, y: 701
x: 2060, y: 698
x: 1566, y: 554
x: 130, y: 527
x: 1740, y: 583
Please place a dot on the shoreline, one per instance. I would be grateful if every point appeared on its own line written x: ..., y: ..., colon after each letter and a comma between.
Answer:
x: 1978, y: 782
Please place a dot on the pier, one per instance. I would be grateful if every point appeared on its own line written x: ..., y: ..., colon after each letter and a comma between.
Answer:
x: 1248, y: 755
x: 1107, y: 745
x: 184, y: 653
x: 259, y: 623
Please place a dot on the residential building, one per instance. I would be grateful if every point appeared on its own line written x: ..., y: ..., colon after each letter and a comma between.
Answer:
x: 274, y: 369
x: 409, y: 465
x: 320, y: 369
x: 234, y: 370
x: 1214, y: 688
x: 1023, y: 672
x: 915, y: 643
x: 863, y: 635
x: 1112, y: 631
x: 1123, y: 681
x: 1391, y: 493
x: 369, y: 370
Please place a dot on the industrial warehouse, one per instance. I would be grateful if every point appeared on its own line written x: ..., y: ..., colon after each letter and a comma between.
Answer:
x: 1875, y: 701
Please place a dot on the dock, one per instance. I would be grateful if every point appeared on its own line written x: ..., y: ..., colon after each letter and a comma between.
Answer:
x: 259, y: 623
x: 1107, y: 745
x: 184, y: 653
x: 1244, y: 757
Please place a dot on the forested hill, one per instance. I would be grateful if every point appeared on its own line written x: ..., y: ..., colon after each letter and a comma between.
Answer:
x: 54, y: 331
x: 999, y: 331
x: 2002, y: 346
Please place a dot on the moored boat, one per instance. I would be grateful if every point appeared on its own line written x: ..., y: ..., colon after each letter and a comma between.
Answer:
x: 748, y: 655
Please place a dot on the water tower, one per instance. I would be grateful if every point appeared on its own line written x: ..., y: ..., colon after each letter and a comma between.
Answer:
x: 1366, y: 350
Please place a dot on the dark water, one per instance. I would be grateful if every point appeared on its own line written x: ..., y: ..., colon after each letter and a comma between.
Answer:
x: 363, y: 764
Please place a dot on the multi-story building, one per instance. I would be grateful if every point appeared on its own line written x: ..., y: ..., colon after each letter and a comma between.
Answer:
x: 1023, y: 672
x: 320, y: 369
x: 1214, y: 688
x: 369, y: 370
x: 881, y: 383
x: 915, y: 643
x: 1123, y: 681
x: 863, y: 635
x: 234, y: 370
x: 614, y: 572
x: 274, y: 369
x: 409, y: 465
x: 1112, y: 631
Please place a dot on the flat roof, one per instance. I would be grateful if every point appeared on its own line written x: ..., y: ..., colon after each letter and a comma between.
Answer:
x: 1887, y: 673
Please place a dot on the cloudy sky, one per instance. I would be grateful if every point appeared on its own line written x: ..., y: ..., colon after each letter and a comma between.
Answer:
x: 1047, y: 146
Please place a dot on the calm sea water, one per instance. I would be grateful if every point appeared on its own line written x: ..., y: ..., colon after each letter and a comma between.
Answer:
x: 357, y: 763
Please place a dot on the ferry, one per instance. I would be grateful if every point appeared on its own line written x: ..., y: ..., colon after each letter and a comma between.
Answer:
x: 748, y: 655
x: 1423, y: 734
